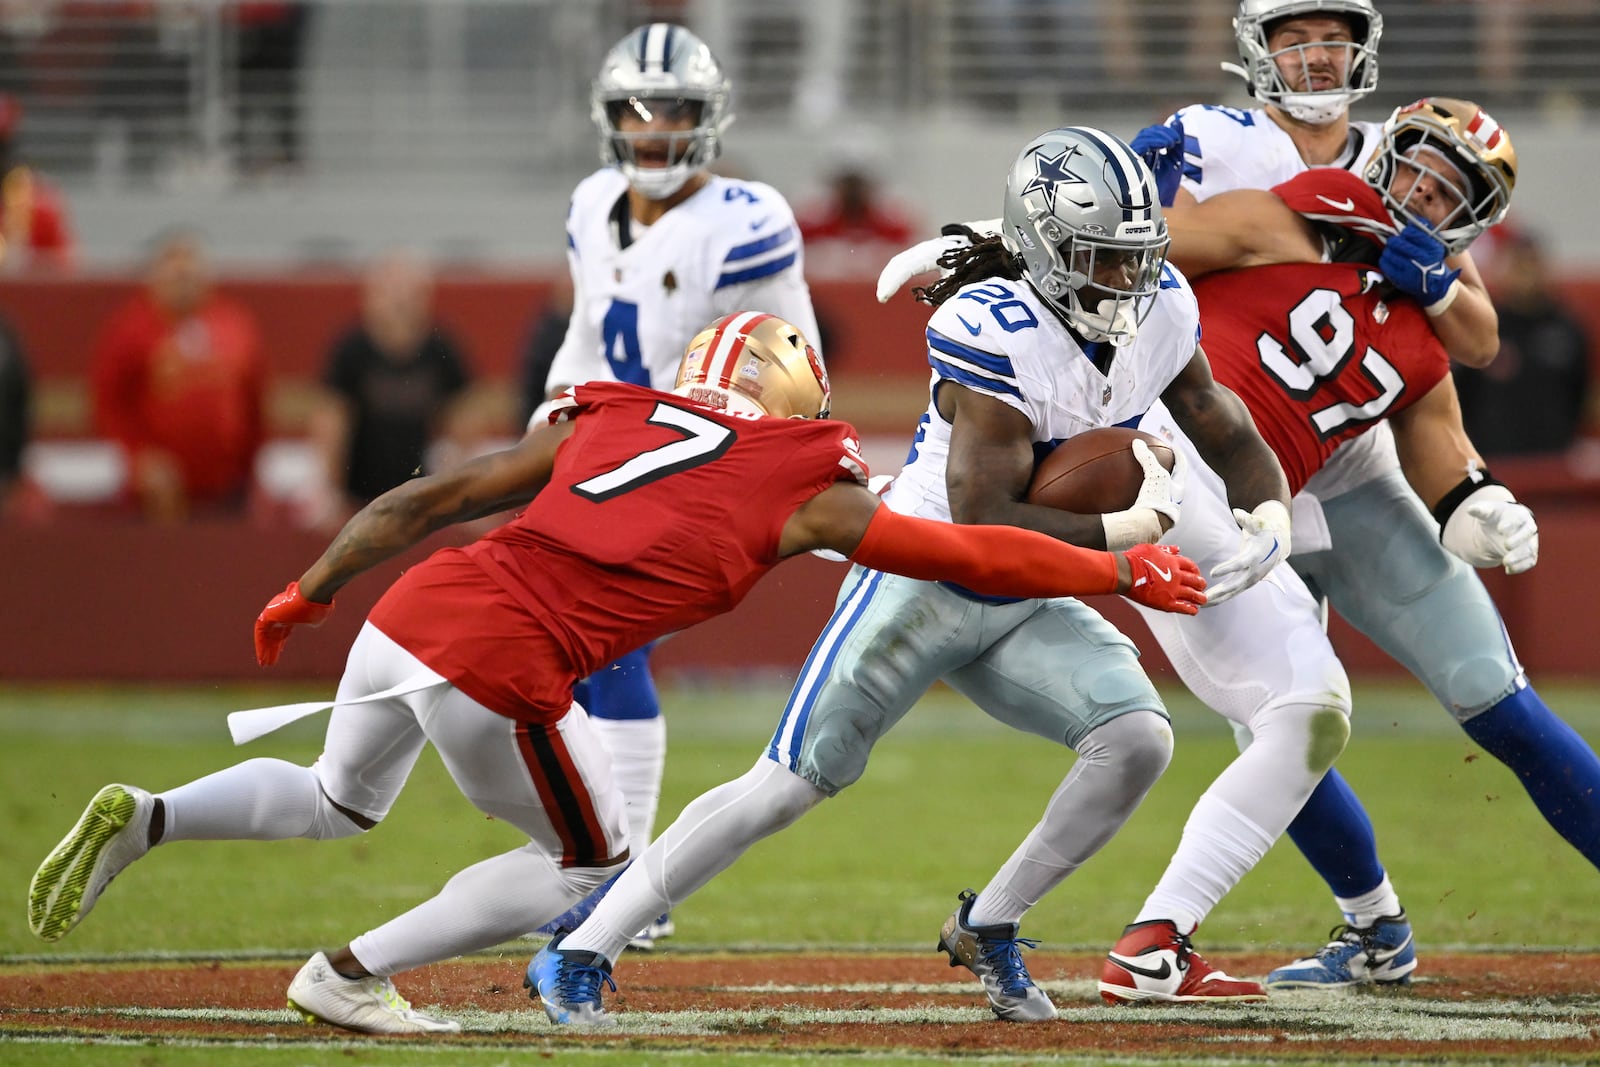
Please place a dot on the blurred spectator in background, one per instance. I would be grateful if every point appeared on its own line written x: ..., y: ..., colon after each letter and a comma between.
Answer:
x: 544, y: 339
x: 34, y: 232
x: 179, y: 378
x: 18, y: 495
x: 1536, y: 396
x: 392, y: 382
x: 271, y: 46
x: 854, y: 229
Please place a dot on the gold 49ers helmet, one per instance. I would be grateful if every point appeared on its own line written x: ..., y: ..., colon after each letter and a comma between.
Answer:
x: 1447, y: 140
x: 755, y: 363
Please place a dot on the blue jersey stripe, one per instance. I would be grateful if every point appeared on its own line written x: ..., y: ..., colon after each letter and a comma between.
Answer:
x: 962, y: 376
x: 989, y: 361
x: 833, y: 638
x: 755, y: 248
x: 765, y: 270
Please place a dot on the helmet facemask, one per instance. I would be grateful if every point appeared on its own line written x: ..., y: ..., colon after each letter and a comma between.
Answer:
x: 660, y: 74
x: 1253, y: 28
x: 1454, y: 151
x: 755, y: 364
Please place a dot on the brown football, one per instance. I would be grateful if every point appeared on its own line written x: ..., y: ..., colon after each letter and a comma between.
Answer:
x: 1094, y: 472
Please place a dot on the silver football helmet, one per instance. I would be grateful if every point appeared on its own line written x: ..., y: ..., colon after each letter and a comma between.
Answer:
x: 661, y: 69
x: 1463, y: 149
x: 1082, y: 215
x: 1254, y: 24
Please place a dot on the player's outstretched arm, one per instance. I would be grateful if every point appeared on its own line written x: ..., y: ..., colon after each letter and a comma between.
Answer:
x: 992, y: 560
x: 401, y: 518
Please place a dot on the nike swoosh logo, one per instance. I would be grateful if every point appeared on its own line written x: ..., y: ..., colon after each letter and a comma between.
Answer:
x: 1158, y: 973
x: 1166, y: 576
x: 756, y: 225
x: 973, y: 330
x: 1346, y: 204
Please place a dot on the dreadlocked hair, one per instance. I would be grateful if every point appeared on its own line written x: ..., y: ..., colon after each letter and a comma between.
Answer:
x: 985, y: 257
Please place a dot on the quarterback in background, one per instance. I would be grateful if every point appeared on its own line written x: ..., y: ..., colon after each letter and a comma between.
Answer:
x: 658, y: 246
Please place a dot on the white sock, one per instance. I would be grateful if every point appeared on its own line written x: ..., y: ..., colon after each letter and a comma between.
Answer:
x: 714, y: 830
x: 257, y: 800
x: 1371, y: 906
x: 489, y: 903
x: 638, y: 757
x: 1117, y: 764
x: 1219, y: 846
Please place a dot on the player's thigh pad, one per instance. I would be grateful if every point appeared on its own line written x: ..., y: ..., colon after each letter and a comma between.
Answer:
x: 1059, y: 673
x: 1390, y: 577
x: 551, y: 781
x: 371, y: 747
x: 1265, y: 647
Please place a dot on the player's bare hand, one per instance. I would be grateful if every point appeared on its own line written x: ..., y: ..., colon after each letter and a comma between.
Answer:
x: 1165, y: 579
x: 281, y: 615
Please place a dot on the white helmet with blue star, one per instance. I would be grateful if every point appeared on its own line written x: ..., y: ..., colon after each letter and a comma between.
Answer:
x: 1082, y: 215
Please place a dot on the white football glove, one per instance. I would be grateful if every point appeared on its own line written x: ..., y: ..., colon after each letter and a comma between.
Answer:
x: 1491, y: 529
x: 924, y: 257
x: 1264, y: 545
x: 1160, y: 494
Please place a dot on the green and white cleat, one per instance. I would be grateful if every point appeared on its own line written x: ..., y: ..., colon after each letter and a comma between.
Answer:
x: 113, y: 831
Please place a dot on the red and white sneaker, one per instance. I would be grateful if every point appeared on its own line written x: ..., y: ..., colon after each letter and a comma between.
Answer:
x: 1152, y: 961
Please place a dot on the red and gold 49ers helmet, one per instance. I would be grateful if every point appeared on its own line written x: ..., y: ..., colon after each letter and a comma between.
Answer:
x: 1467, y: 138
x: 754, y: 362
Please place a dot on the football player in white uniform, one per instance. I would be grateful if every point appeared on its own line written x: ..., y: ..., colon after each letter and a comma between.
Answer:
x: 659, y: 246
x: 1074, y: 322
x: 1306, y: 61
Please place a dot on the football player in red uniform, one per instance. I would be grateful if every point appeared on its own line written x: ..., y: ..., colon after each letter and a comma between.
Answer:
x: 646, y: 512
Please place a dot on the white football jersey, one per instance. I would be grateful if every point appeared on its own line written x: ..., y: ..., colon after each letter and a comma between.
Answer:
x: 1231, y: 148
x: 999, y: 338
x: 732, y: 246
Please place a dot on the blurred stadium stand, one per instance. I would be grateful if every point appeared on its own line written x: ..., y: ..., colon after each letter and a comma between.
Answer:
x: 460, y: 127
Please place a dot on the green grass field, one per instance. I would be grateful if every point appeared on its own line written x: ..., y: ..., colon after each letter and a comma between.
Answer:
x: 945, y: 800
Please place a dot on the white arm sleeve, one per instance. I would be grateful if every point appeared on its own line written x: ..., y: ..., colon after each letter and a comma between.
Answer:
x: 579, y: 359
x: 784, y: 294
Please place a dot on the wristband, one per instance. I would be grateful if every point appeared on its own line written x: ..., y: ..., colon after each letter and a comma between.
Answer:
x: 1136, y: 526
x: 1441, y: 305
x: 1477, y: 478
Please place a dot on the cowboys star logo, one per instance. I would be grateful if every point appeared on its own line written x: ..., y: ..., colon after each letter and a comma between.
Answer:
x: 1052, y: 177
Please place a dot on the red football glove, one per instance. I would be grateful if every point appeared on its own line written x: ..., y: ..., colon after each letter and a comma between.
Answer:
x: 282, y: 614
x: 1165, y: 580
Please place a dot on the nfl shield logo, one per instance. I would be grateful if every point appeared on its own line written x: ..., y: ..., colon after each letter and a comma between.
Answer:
x: 1105, y: 397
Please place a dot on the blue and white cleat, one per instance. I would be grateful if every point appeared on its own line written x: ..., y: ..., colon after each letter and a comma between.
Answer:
x: 568, y: 985
x: 1381, y: 954
x: 994, y: 954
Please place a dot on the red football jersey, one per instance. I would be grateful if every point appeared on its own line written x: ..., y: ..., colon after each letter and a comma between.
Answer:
x: 1317, y: 353
x: 659, y: 514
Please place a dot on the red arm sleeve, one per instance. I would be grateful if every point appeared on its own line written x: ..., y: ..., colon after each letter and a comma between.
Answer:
x: 992, y: 560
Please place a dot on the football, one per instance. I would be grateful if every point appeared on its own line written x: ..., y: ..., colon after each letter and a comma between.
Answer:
x: 1094, y: 472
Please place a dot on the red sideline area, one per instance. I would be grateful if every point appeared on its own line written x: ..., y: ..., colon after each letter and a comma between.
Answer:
x: 97, y: 597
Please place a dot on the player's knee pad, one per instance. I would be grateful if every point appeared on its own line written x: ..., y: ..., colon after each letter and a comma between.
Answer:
x: 329, y: 822
x: 1137, y: 745
x: 1313, y: 731
x: 1478, y: 683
